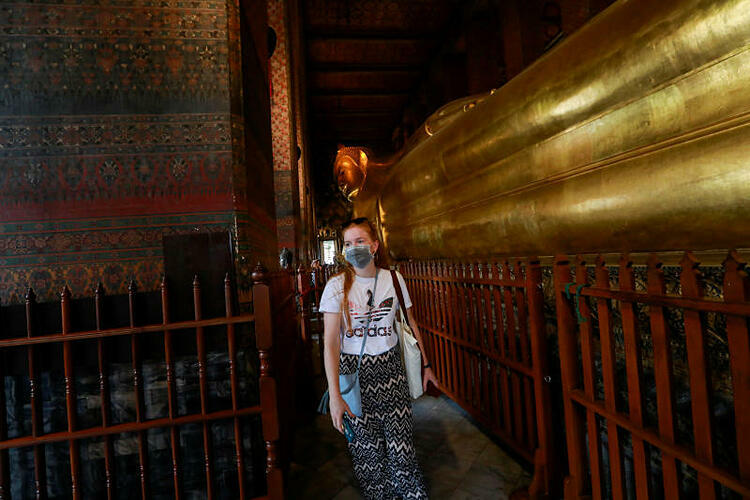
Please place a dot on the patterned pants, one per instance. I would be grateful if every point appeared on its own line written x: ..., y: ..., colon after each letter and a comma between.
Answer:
x: 383, y: 451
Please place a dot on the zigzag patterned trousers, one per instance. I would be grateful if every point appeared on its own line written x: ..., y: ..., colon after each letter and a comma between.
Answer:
x: 383, y: 451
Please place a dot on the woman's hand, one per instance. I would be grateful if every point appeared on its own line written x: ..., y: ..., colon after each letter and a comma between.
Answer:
x: 427, y: 377
x: 338, y: 407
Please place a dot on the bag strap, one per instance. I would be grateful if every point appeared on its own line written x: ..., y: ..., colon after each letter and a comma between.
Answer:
x: 400, y: 295
x: 364, y: 336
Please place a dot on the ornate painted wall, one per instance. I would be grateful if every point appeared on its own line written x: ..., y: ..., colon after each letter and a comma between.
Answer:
x: 120, y: 121
x: 283, y: 103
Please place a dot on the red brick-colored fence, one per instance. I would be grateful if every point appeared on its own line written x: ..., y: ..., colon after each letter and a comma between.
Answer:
x: 614, y: 451
x: 265, y: 300
x: 483, y: 324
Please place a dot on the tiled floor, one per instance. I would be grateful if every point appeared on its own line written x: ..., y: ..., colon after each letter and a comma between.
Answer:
x: 458, y: 460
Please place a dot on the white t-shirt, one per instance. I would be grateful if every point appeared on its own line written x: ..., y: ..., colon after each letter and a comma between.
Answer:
x: 381, y: 334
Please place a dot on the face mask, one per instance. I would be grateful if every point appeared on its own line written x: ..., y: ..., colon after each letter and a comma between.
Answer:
x: 358, y: 256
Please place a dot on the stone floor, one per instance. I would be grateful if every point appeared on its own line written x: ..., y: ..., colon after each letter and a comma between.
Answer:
x: 458, y: 460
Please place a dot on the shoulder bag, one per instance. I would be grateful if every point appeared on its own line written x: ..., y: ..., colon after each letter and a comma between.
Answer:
x: 410, y: 353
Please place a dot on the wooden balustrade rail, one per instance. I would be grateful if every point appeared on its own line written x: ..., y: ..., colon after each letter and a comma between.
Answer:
x: 483, y: 324
x: 613, y: 450
x: 106, y: 430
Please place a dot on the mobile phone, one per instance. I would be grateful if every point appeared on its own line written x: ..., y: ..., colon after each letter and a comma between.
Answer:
x: 348, y: 431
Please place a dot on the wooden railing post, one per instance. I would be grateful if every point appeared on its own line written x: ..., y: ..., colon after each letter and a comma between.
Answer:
x: 571, y: 379
x: 4, y: 458
x: 663, y: 372
x: 40, y: 462
x: 698, y: 369
x: 268, y: 398
x: 736, y: 291
x: 70, y: 395
x: 545, y: 463
x: 140, y: 408
x: 200, y: 338
x: 174, y: 437
x: 109, y: 460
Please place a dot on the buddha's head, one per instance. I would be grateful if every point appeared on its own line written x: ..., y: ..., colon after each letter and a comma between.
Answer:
x: 350, y: 170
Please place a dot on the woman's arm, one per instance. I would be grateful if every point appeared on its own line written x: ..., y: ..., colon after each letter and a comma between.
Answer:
x: 332, y: 349
x: 429, y: 375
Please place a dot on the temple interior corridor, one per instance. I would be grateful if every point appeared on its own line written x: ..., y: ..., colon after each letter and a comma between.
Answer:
x: 189, y: 187
x: 458, y: 459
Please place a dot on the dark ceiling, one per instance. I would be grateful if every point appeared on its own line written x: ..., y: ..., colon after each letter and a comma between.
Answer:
x: 365, y: 58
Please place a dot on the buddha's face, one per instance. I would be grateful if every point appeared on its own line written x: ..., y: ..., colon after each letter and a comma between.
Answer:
x: 350, y: 170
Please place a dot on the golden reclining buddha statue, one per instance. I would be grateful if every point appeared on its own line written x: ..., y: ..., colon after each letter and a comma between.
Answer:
x: 631, y: 135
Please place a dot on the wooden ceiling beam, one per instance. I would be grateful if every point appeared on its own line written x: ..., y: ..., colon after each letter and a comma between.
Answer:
x: 363, y: 66
x: 344, y: 34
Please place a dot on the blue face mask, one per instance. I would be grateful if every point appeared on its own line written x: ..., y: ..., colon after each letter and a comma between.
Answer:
x: 359, y: 256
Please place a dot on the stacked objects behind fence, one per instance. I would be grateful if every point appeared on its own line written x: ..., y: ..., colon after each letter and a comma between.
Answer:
x: 164, y: 410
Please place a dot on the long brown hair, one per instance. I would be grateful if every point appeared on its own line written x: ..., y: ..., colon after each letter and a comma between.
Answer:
x: 348, y: 271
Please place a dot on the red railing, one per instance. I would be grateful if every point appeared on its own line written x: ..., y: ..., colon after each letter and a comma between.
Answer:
x: 484, y: 329
x: 617, y: 451
x: 73, y: 435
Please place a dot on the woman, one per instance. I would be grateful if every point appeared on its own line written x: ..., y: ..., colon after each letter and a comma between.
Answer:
x: 383, y: 448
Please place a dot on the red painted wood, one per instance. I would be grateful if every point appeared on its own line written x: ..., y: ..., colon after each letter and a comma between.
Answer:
x: 500, y: 342
x: 609, y: 364
x: 235, y: 387
x: 545, y: 460
x: 135, y: 356
x: 682, y: 453
x: 587, y: 358
x: 93, y: 432
x: 109, y: 464
x: 512, y: 352
x: 174, y: 438
x: 73, y: 435
x: 70, y: 397
x: 700, y: 381
x: 525, y: 359
x: 179, y: 326
x: 633, y: 359
x: 4, y: 457
x: 703, y: 304
x: 40, y: 466
x: 489, y: 335
x: 736, y: 290
x: 663, y: 373
x: 202, y: 382
x: 268, y: 398
x: 571, y: 380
